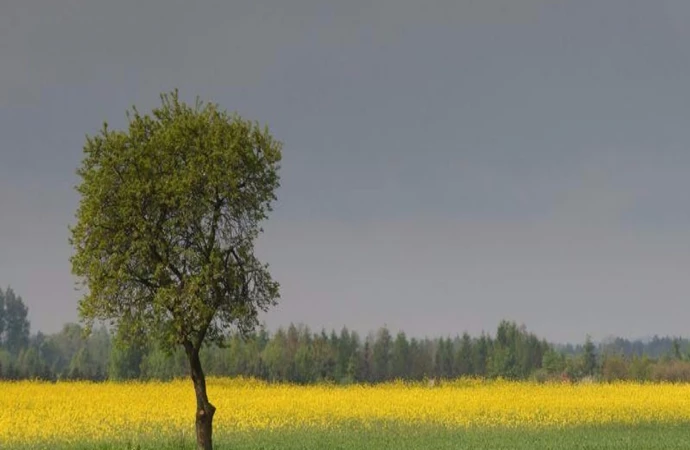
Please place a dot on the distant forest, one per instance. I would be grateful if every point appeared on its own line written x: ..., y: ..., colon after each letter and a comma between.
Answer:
x: 299, y: 355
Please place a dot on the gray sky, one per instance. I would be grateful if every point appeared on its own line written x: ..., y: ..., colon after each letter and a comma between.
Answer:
x: 446, y: 164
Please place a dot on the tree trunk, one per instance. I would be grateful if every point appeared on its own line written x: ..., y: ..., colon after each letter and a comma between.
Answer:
x: 204, y: 409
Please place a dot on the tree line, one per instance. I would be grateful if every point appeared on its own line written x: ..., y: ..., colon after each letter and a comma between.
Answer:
x: 299, y: 355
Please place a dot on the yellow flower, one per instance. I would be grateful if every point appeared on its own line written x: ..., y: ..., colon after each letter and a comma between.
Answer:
x: 73, y: 411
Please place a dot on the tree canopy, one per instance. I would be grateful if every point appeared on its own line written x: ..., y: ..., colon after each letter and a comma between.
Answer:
x: 169, y: 213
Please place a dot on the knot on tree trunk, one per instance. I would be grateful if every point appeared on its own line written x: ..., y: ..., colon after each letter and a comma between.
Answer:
x: 204, y: 427
x: 207, y: 410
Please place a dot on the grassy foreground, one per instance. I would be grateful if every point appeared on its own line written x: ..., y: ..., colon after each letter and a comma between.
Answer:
x: 643, y: 436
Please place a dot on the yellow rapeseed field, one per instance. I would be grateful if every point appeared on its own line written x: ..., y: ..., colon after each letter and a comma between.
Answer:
x: 68, y: 411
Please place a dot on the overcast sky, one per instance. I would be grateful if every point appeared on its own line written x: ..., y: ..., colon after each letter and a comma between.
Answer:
x: 446, y: 164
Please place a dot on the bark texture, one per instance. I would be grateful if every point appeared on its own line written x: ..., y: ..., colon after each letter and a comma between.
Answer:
x: 204, y: 409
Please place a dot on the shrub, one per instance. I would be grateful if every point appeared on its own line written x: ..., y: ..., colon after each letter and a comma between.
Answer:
x: 673, y: 371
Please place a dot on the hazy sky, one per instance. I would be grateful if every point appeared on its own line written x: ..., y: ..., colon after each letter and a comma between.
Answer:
x: 446, y: 164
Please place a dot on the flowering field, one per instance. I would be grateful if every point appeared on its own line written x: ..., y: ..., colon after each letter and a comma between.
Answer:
x: 72, y: 412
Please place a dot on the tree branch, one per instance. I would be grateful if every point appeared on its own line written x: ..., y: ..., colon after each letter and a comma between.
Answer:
x: 214, y: 226
x: 204, y: 329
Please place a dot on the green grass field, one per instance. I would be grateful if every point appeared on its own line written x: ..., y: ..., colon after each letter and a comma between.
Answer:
x: 645, y: 437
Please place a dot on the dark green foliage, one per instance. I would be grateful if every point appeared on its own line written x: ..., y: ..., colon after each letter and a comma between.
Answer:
x: 553, y: 363
x: 364, y: 362
x: 381, y: 355
x: 401, y: 359
x: 480, y: 355
x: 324, y: 358
x: 444, y: 359
x: 2, y: 319
x: 464, y: 364
x: 516, y: 353
x: 16, y: 323
x: 347, y: 346
x: 298, y: 355
x: 589, y: 358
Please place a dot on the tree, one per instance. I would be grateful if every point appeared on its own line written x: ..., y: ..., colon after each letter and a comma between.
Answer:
x: 480, y: 354
x: 346, y: 349
x: 2, y: 316
x: 239, y: 360
x: 6, y: 368
x: 553, y: 362
x: 589, y: 357
x: 82, y: 366
x: 381, y: 355
x: 29, y: 363
x: 16, y: 323
x: 463, y: 360
x: 443, y: 358
x: 324, y: 358
x: 304, y: 363
x: 276, y: 357
x: 60, y: 348
x: 365, y: 363
x: 159, y: 364
x: 614, y: 368
x: 164, y: 239
x: 125, y: 359
x: 400, y: 358
x: 353, y: 357
x: 676, y: 349
x: 503, y: 361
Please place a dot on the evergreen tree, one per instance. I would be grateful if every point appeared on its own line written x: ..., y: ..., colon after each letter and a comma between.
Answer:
x: 400, y: 363
x: 16, y: 323
x: 382, y: 355
x: 481, y: 354
x: 365, y: 363
x: 346, y: 364
x: 553, y: 362
x: 292, y: 342
x: 676, y: 349
x: 443, y: 358
x: 2, y: 319
x: 464, y: 360
x: 324, y: 357
x: 422, y: 358
x: 353, y: 363
x: 503, y: 355
x: 305, y: 364
x: 589, y: 358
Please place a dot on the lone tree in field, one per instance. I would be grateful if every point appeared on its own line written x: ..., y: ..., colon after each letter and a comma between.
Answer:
x: 164, y: 237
